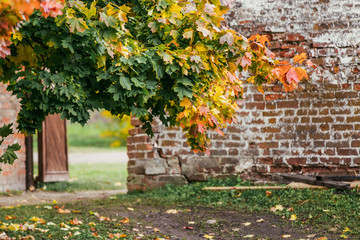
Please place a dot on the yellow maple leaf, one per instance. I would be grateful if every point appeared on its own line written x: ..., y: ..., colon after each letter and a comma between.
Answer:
x: 293, y: 217
x: 208, y: 236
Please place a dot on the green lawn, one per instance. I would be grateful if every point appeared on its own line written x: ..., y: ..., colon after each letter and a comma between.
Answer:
x: 99, y: 176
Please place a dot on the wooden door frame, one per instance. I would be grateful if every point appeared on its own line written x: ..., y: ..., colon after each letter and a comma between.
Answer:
x: 53, y: 176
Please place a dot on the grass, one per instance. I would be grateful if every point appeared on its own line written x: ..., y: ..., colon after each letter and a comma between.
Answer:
x: 97, y: 176
x: 323, y: 209
x: 88, y: 136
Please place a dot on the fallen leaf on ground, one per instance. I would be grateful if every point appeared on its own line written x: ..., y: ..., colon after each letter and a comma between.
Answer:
x: 343, y: 236
x: 130, y: 209
x: 48, y: 207
x: 172, y: 211
x: 120, y: 235
x: 293, y: 217
x: 235, y: 229
x: 260, y: 220
x: 75, y: 222
x: 208, y: 236
x: 211, y: 221
x: 321, y: 238
x: 191, y: 222
x: 190, y: 228
x: 102, y: 218
x: 54, y: 202
x: 246, y: 224
x: 63, y: 211
x: 125, y: 220
x: 286, y: 236
x: 268, y: 193
x: 346, y: 230
x: 9, y: 217
x: 38, y: 220
x: 249, y: 236
x: 156, y: 230
x: 311, y: 235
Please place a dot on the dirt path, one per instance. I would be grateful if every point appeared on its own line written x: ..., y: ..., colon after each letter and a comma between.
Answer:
x: 40, y: 197
x: 194, y: 223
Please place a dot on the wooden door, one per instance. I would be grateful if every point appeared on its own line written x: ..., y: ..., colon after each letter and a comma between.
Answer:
x: 53, y: 151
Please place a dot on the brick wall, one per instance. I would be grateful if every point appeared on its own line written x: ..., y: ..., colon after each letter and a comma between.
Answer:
x: 13, y: 176
x: 314, y: 129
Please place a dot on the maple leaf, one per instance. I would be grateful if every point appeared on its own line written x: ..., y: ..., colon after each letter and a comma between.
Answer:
x: 152, y: 26
x: 269, y: 53
x: 291, y: 76
x: 228, y: 37
x: 120, y: 235
x: 300, y: 58
x: 204, y: 110
x: 200, y: 128
x: 209, y: 9
x: 245, y: 62
x: 190, y: 7
x: 185, y: 103
x: 301, y: 73
x: 205, y: 32
x: 125, y: 220
x: 188, y: 33
x: 51, y: 8
x: 166, y: 57
x: 75, y: 222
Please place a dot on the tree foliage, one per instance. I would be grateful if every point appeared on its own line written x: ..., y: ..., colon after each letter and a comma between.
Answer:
x: 161, y: 58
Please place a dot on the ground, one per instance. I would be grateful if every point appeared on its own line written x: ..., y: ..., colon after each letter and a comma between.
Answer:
x: 188, y: 213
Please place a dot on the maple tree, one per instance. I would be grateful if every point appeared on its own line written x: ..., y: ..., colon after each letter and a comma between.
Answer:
x: 163, y: 58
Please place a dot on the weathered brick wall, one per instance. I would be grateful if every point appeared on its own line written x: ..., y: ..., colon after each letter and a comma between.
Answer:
x: 13, y: 176
x: 314, y: 129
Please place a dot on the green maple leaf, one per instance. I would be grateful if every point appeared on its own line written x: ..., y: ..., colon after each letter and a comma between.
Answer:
x: 6, y: 130
x: 9, y: 156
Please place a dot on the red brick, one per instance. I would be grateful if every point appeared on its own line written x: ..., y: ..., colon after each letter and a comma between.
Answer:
x: 133, y: 131
x: 144, y: 146
x: 296, y: 161
x: 288, y: 104
x: 267, y: 161
x: 355, y: 143
x: 270, y: 130
x: 268, y: 145
x: 346, y: 151
x: 337, y: 144
x: 170, y: 143
x: 136, y: 122
x: 342, y: 127
x: 351, y: 119
x: 136, y: 155
x: 137, y: 139
x: 269, y: 97
x: 322, y: 120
